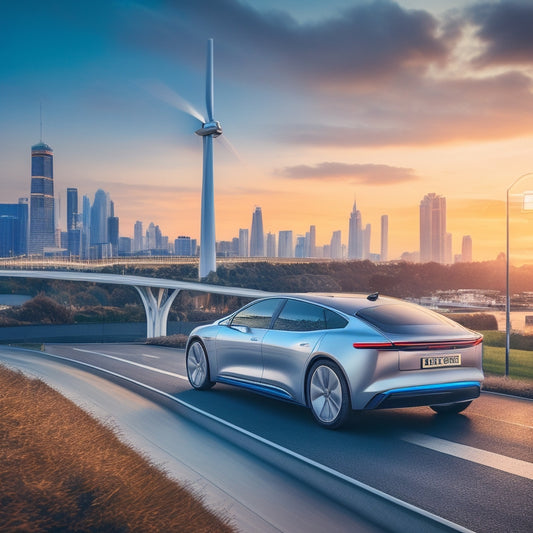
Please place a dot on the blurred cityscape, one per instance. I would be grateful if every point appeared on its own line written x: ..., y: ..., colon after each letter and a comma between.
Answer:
x: 32, y: 227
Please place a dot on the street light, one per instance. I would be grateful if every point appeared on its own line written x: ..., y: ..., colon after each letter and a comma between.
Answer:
x: 527, y: 205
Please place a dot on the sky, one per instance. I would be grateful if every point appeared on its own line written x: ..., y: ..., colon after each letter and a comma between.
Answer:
x: 322, y: 104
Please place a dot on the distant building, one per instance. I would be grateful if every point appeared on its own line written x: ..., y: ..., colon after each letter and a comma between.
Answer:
x: 336, y: 245
x: 271, y: 245
x: 285, y: 246
x: 113, y: 234
x: 124, y: 245
x: 432, y: 228
x: 355, y: 235
x: 182, y: 246
x: 312, y: 241
x: 384, y: 252
x: 74, y: 234
x: 100, y: 211
x: 448, y: 249
x: 42, y: 221
x: 299, y: 249
x: 14, y: 229
x: 466, y: 249
x: 367, y: 232
x: 85, y: 227
x: 244, y: 250
x: 138, y: 236
x: 257, y: 237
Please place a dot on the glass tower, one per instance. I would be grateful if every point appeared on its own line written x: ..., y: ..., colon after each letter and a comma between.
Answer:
x: 432, y: 228
x: 257, y: 237
x: 42, y: 223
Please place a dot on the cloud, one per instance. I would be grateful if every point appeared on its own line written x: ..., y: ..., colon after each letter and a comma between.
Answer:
x: 505, y: 28
x: 367, y: 174
x: 369, y: 41
x: 428, y: 113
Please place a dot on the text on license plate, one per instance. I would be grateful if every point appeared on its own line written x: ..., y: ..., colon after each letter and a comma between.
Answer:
x: 441, y: 360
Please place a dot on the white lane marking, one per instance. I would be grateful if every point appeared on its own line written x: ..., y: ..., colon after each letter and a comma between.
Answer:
x: 475, y: 455
x: 335, y: 473
x: 166, y: 372
x: 150, y: 356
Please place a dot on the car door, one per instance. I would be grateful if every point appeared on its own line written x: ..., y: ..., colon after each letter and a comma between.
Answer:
x: 239, y: 342
x: 288, y: 345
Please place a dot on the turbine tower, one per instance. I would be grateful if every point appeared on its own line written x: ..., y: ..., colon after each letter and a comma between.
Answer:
x: 208, y: 131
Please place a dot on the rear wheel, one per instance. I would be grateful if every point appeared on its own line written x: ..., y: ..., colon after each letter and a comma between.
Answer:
x: 327, y: 393
x: 450, y: 408
x: 198, y: 366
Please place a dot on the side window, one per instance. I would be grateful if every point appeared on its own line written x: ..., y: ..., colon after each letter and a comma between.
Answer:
x: 335, y: 321
x: 257, y: 315
x: 300, y: 316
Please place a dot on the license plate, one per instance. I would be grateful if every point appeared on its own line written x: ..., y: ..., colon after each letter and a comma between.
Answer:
x: 441, y: 361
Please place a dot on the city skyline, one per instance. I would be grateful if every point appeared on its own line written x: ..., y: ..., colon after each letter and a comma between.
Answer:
x: 443, y: 104
x: 94, y: 231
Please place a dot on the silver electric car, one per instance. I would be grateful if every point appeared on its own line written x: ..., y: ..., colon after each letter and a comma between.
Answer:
x: 339, y: 353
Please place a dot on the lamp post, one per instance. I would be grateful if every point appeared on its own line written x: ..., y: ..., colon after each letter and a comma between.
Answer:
x: 526, y: 206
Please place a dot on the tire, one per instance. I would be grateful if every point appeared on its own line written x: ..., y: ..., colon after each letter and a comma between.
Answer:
x: 450, y: 408
x: 327, y: 394
x: 198, y: 366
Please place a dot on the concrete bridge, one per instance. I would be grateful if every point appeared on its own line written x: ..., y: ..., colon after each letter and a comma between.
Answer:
x: 157, y: 294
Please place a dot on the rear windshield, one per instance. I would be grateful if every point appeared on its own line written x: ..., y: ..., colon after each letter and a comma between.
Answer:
x: 399, y: 318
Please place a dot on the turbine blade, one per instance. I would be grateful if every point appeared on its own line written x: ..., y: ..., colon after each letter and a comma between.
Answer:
x: 230, y: 148
x: 164, y: 93
x: 209, y: 88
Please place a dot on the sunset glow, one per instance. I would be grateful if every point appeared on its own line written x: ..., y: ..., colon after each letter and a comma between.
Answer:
x: 325, y: 103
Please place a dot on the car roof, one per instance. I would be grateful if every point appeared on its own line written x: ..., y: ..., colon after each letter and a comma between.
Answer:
x: 346, y: 303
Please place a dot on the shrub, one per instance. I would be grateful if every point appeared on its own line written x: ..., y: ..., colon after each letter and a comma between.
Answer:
x: 475, y: 321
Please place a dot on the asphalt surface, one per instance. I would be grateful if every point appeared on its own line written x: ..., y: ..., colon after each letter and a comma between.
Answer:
x: 474, y: 469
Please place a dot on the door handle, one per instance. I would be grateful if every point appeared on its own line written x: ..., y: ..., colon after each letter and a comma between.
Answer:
x: 304, y: 344
x: 254, y: 339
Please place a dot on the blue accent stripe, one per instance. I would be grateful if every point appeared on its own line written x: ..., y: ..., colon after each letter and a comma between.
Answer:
x: 256, y: 387
x: 421, y: 389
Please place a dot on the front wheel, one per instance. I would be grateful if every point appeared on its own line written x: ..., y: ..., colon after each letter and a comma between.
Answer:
x: 198, y: 366
x: 450, y: 408
x: 327, y: 393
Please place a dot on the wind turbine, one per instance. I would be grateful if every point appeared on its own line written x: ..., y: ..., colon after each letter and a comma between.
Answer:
x: 209, y: 130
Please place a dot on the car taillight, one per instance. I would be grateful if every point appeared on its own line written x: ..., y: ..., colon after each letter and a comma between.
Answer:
x: 419, y: 345
x: 373, y: 345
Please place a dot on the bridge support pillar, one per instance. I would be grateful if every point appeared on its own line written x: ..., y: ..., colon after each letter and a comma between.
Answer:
x: 156, y: 305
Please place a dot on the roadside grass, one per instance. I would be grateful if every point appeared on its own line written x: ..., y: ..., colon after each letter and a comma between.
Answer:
x: 61, y: 470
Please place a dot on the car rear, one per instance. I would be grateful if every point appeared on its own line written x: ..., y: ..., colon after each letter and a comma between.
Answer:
x: 424, y: 358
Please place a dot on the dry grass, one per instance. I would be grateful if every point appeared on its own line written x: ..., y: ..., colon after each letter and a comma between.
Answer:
x: 63, y: 471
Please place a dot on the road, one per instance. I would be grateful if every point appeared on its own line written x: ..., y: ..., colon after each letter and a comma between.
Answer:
x: 473, y: 469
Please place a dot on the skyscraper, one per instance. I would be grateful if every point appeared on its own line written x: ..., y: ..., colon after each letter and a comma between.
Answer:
x: 336, y: 245
x: 42, y: 222
x: 85, y: 227
x: 366, y: 233
x: 384, y: 251
x: 100, y: 212
x: 355, y: 235
x: 271, y: 245
x: 432, y: 228
x: 257, y: 238
x: 113, y: 234
x: 285, y: 247
x: 466, y: 249
x: 182, y: 246
x: 312, y: 241
x: 244, y: 250
x: 73, y: 229
x: 138, y: 236
x: 14, y: 228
